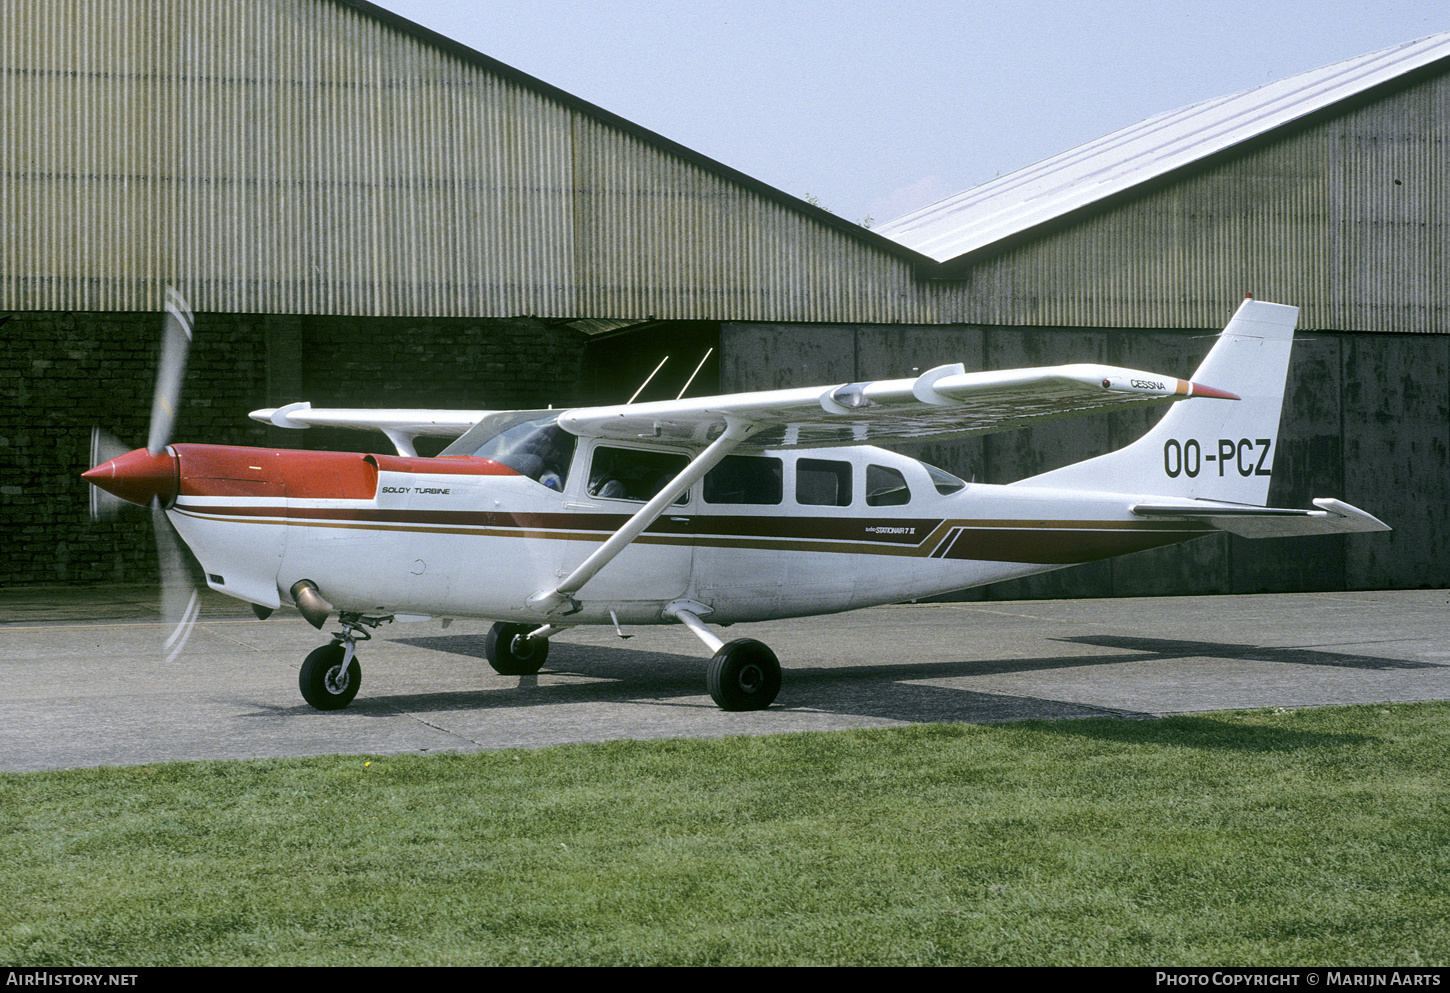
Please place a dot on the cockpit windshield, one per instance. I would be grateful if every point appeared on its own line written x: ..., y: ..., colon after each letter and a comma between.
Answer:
x: 530, y: 442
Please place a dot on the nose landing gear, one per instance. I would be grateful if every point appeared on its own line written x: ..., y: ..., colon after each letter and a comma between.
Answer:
x: 330, y: 676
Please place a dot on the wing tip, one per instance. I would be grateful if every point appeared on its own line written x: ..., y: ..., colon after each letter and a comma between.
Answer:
x: 1200, y: 390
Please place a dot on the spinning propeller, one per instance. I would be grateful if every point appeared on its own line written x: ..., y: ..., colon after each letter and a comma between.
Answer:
x: 149, y: 476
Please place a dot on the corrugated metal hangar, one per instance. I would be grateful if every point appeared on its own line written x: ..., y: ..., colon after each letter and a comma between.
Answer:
x: 365, y: 213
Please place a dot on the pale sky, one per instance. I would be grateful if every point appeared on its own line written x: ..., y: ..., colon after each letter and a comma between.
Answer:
x: 877, y: 107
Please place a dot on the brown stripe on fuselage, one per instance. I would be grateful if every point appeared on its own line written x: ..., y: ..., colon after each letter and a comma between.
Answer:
x: 876, y: 530
x: 1087, y: 541
x: 1056, y: 542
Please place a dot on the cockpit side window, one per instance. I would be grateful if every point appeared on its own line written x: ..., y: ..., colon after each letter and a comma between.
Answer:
x: 632, y: 474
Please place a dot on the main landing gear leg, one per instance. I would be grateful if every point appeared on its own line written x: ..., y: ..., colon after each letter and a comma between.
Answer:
x: 744, y: 674
x: 330, y: 676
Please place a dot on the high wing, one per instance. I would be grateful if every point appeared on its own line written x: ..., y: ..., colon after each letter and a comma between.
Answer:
x: 946, y: 402
x: 400, y: 425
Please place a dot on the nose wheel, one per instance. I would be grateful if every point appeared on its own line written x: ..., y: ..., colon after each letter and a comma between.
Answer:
x: 328, y: 679
x: 330, y: 676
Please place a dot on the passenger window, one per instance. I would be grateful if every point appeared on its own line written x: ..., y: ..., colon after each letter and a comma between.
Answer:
x: 744, y: 479
x: 885, y: 487
x: 946, y: 484
x: 820, y: 483
x: 629, y: 474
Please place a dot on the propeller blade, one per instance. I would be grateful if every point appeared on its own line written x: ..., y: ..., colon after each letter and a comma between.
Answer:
x: 180, y: 601
x: 141, y: 479
x: 175, y: 343
x: 104, y: 447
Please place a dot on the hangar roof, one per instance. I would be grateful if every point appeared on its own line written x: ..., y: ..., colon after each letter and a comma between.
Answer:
x: 1039, y: 194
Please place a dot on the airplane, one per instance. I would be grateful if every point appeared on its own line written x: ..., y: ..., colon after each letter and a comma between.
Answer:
x: 702, y: 511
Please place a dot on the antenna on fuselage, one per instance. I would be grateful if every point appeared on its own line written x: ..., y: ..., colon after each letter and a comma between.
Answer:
x: 647, y: 379
x: 708, y: 352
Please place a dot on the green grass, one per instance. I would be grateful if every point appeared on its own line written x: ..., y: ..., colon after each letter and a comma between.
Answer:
x: 1308, y: 837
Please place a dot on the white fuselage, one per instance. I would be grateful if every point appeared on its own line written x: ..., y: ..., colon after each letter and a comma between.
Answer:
x: 829, y: 530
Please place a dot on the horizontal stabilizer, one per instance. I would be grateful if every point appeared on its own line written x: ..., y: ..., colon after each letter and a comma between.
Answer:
x: 1332, y: 517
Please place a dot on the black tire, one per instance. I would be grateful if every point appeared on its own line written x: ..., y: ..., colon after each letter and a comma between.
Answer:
x: 743, y: 675
x: 322, y: 681
x: 512, y: 653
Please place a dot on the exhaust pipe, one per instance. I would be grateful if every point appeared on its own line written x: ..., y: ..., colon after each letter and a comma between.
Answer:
x: 309, y: 601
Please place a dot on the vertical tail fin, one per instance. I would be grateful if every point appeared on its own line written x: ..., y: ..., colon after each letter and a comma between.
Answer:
x: 1208, y: 448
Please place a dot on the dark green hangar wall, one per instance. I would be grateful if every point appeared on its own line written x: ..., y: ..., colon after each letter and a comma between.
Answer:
x: 1366, y: 419
x: 1341, y: 212
x: 360, y: 212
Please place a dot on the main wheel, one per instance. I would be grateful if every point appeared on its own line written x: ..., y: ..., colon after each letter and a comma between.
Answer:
x: 743, y: 675
x: 512, y: 652
x: 323, y: 681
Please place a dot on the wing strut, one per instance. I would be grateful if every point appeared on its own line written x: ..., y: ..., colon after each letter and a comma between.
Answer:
x: 548, y: 601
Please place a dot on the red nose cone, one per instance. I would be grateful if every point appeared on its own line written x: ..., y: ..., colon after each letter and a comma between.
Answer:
x: 137, y: 477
